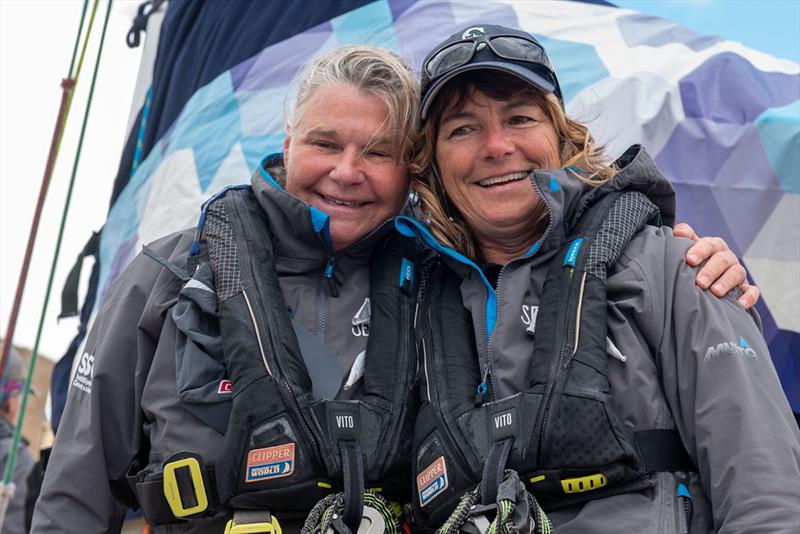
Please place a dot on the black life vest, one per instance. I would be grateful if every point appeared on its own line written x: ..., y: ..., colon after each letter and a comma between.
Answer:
x: 285, y: 449
x: 562, y: 433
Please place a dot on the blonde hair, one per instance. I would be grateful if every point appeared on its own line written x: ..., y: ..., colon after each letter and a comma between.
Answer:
x: 577, y: 148
x: 375, y: 71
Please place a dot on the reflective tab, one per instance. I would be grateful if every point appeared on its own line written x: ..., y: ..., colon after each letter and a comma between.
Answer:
x: 582, y: 484
x: 406, y: 272
x: 572, y: 252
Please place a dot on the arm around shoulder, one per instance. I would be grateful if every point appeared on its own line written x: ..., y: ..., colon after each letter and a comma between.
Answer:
x: 724, y: 394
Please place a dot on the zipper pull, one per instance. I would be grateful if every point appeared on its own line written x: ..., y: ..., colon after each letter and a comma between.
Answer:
x: 329, y: 277
x: 480, y: 394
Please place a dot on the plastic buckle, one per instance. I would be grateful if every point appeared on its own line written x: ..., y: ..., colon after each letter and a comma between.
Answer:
x: 478, y: 521
x: 372, y: 522
x: 172, y: 487
x: 251, y: 522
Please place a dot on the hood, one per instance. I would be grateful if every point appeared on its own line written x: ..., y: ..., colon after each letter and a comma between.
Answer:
x: 301, y: 231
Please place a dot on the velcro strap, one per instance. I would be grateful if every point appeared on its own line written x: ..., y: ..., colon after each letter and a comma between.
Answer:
x: 662, y: 450
x: 156, y: 508
x: 353, y: 474
x: 494, y: 469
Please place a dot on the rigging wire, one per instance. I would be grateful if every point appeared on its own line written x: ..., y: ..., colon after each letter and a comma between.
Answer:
x: 7, y: 486
x: 67, y: 90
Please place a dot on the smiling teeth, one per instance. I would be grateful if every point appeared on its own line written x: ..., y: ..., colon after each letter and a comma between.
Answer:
x: 503, y: 179
x: 342, y: 203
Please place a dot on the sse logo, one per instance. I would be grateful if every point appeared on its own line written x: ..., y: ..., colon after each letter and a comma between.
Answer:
x: 84, y: 373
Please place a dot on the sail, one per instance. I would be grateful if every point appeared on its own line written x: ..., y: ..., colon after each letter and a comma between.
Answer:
x: 721, y: 119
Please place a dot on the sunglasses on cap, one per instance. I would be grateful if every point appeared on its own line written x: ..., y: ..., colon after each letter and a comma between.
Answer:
x: 504, y: 46
x: 487, y: 47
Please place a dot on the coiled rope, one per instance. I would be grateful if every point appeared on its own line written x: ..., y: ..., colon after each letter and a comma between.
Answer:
x: 502, y: 522
x: 327, y: 514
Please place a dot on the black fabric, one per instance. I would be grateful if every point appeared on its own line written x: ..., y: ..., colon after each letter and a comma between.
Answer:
x: 60, y: 378
x: 69, y: 295
x: 662, y: 450
x: 273, y: 400
x: 571, y: 429
x: 492, y: 272
x: 353, y: 474
x: 494, y: 469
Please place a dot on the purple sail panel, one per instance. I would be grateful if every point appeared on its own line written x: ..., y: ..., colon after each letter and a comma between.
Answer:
x: 638, y: 29
x: 697, y: 150
x: 728, y: 88
x: 698, y: 207
x: 746, y: 189
x: 277, y: 65
x: 398, y: 7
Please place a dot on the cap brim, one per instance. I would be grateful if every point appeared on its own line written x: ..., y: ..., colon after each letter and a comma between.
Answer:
x: 519, y: 71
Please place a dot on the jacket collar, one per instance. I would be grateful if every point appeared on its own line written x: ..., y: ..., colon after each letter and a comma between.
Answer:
x: 300, y: 230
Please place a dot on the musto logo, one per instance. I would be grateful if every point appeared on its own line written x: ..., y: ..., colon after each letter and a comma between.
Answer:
x: 272, y: 462
x: 730, y: 349
x: 432, y: 481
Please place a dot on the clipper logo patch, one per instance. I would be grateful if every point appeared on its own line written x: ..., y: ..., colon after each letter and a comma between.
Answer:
x: 84, y: 373
x: 225, y: 386
x: 272, y: 462
x: 432, y: 481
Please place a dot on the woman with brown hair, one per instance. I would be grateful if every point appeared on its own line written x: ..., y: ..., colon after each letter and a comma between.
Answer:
x: 566, y: 350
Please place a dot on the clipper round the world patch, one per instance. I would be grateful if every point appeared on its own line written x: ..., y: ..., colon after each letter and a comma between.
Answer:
x: 432, y: 481
x: 271, y: 462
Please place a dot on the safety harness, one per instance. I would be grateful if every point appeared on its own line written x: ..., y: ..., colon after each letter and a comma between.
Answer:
x: 562, y: 433
x: 288, y: 449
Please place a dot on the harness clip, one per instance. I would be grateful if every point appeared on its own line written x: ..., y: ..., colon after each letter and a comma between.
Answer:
x: 184, y: 487
x: 252, y: 522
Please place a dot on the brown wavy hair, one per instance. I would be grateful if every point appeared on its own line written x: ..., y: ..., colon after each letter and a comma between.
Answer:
x: 577, y: 148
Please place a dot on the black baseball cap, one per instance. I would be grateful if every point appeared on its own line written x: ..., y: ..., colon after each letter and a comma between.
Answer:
x: 491, y: 47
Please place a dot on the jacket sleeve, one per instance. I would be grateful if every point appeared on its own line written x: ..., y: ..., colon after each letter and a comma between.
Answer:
x: 724, y: 394
x: 101, y: 431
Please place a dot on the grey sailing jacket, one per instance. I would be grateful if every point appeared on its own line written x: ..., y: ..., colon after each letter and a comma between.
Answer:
x: 16, y: 513
x: 681, y: 359
x: 124, y: 398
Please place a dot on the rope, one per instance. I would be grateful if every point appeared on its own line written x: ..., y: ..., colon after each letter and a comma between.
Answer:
x: 503, y: 522
x: 325, y: 513
x: 67, y: 87
x: 12, y: 457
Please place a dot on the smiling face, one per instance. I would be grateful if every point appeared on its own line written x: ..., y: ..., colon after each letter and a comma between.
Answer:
x: 339, y: 161
x: 485, y: 151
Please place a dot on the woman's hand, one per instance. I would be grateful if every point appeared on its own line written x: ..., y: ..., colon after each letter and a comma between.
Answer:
x: 722, y: 272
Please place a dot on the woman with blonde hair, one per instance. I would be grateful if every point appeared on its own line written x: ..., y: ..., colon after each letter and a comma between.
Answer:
x: 571, y: 367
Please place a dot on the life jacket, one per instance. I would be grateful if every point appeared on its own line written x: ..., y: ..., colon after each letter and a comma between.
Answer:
x: 286, y: 449
x: 562, y: 433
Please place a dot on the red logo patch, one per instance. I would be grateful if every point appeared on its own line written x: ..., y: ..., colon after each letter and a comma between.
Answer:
x: 272, y: 462
x: 225, y: 386
x: 432, y: 481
